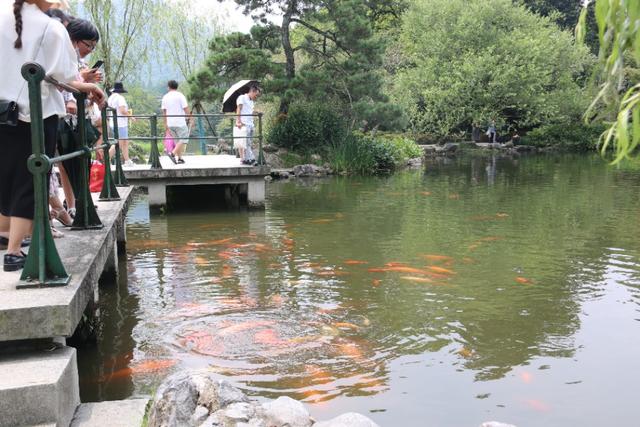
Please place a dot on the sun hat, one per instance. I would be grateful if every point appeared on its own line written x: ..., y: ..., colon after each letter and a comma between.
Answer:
x: 118, y: 87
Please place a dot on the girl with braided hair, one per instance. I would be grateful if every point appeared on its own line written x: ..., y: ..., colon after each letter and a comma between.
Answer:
x: 28, y: 35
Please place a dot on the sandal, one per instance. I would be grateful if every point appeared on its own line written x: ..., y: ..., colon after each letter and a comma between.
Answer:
x: 60, y: 214
x: 56, y: 234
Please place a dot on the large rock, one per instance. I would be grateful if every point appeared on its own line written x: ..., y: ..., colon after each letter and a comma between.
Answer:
x: 308, y: 170
x: 181, y: 394
x: 286, y: 412
x: 350, y: 419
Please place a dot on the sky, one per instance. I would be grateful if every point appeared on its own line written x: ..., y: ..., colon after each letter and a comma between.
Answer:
x: 237, y: 21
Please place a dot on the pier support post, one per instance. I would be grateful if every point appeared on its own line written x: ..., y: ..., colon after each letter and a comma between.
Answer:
x: 157, y: 195
x: 111, y: 266
x: 256, y: 193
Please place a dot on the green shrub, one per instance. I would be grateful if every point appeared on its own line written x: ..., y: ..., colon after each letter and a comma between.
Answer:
x: 568, y: 135
x: 308, y: 128
x: 365, y: 154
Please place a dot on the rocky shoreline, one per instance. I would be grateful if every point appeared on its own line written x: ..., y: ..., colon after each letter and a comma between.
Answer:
x: 278, y: 171
x: 199, y: 400
x: 196, y: 399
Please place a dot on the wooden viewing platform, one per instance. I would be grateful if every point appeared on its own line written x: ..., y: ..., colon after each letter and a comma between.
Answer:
x: 218, y: 169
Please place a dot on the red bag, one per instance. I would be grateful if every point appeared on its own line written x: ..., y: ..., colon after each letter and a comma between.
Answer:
x: 169, y: 143
x: 96, y: 177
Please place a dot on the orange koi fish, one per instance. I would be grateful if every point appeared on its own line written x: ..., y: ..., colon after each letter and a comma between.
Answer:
x: 411, y: 270
x: 377, y: 270
x: 227, y: 271
x: 218, y: 242
x: 465, y: 352
x: 441, y: 270
x: 376, y: 282
x: 146, y: 367
x: 538, y: 405
x: 396, y: 264
x: 526, y: 377
x: 502, y: 215
x: 201, y: 260
x: 322, y: 221
x: 268, y: 337
x: 355, y: 262
x: 345, y: 325
x: 524, y: 280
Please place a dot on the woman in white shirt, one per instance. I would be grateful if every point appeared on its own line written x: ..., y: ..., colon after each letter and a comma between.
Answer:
x: 28, y: 35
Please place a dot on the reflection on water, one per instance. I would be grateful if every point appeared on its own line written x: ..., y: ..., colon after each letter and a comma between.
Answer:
x: 505, y: 287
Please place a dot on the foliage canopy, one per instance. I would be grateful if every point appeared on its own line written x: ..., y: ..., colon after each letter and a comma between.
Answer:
x: 465, y: 61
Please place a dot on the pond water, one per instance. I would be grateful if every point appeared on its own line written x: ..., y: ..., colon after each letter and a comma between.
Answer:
x: 478, y: 288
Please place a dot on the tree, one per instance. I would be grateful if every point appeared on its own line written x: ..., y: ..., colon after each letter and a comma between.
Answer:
x: 182, y: 37
x: 464, y: 61
x: 326, y: 51
x: 619, y: 35
x: 124, y: 28
x: 234, y: 57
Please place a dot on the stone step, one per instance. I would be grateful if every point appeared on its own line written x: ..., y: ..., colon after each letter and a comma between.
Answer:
x: 38, y: 387
x: 117, y: 413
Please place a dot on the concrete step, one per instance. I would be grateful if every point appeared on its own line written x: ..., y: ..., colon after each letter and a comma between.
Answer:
x: 117, y: 413
x: 38, y: 387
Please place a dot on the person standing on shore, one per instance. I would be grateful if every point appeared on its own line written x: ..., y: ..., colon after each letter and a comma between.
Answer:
x: 245, y: 104
x: 174, y: 103
x: 491, y: 132
x: 119, y: 103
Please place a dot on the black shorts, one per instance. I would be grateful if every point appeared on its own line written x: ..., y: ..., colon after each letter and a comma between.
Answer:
x: 16, y: 182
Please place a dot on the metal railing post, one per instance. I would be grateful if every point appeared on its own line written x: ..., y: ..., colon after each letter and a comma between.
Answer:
x: 261, y: 160
x: 86, y: 215
x: 43, y: 267
x: 109, y: 191
x: 154, y: 155
x: 203, y: 143
x: 119, y: 178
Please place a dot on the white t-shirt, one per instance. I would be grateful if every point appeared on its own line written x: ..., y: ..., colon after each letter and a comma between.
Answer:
x: 116, y: 101
x: 247, y: 108
x: 174, y: 103
x: 53, y: 51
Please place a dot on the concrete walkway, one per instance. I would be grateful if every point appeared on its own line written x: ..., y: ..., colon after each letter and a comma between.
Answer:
x: 55, y: 312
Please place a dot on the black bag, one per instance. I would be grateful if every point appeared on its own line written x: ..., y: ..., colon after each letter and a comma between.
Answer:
x: 8, y: 113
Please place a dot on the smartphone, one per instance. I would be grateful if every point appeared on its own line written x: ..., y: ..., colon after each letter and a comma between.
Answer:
x: 98, y: 64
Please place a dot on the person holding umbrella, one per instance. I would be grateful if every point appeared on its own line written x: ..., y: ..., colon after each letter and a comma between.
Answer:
x: 240, y: 99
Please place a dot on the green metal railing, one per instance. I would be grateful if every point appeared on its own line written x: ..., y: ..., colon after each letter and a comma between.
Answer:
x: 154, y: 154
x: 43, y: 267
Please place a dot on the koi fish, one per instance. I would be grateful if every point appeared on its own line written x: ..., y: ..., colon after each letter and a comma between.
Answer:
x: 537, y: 405
x: 288, y: 243
x: 396, y: 264
x: 526, y: 377
x: 425, y: 193
x: 502, y: 215
x: 441, y: 270
x: 524, y: 280
x: 466, y: 353
x: 355, y: 262
x: 146, y: 367
x: 401, y: 269
x: 268, y: 337
x: 244, y: 326
x: 473, y: 247
x: 454, y: 196
x: 225, y: 255
x: 376, y: 282
x: 417, y: 279
x: 345, y: 325
x: 201, y: 260
x: 339, y: 215
x: 377, y: 270
x: 227, y: 271
x: 218, y: 242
